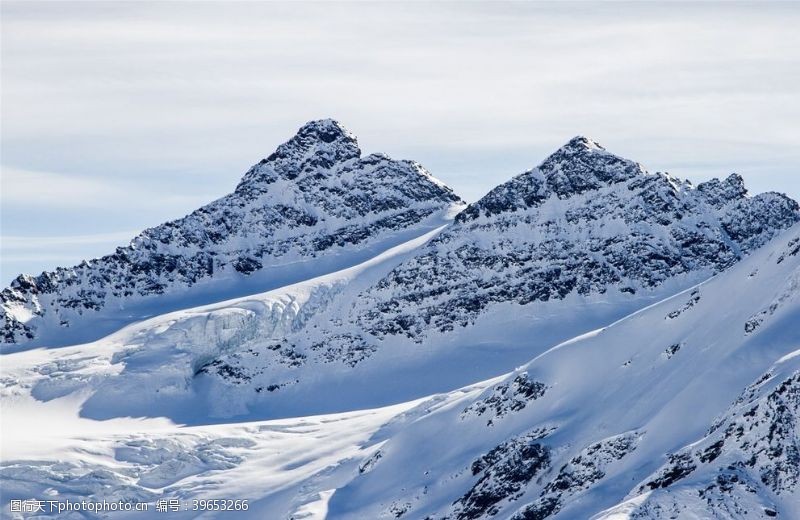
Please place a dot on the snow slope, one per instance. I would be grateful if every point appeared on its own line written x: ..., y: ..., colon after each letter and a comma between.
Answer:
x: 747, y: 465
x: 150, y: 368
x: 682, y: 410
x: 283, y: 468
x: 312, y: 207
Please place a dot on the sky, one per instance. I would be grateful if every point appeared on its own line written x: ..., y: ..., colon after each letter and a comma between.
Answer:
x: 117, y: 116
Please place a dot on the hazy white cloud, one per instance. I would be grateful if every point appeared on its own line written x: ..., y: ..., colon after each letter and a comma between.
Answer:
x: 39, y: 242
x: 33, y: 254
x: 56, y: 190
x: 63, y: 191
x: 153, y: 106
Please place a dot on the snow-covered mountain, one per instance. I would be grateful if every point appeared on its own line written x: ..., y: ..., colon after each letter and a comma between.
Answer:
x: 335, y: 340
x: 575, y: 243
x: 313, y: 206
x: 687, y: 409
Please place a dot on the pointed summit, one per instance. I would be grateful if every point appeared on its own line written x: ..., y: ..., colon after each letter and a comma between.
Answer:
x: 317, y: 145
x: 582, y: 164
x: 581, y: 143
x: 324, y: 130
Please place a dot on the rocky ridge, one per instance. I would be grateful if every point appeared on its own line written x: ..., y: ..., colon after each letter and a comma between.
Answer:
x: 316, y: 197
x: 584, y: 222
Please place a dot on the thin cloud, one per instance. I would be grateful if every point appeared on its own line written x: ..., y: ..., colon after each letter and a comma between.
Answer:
x: 39, y: 242
x: 22, y: 186
x: 34, y: 254
x: 138, y: 112
x: 69, y: 191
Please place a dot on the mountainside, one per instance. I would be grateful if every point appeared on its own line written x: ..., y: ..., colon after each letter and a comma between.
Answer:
x: 687, y: 409
x: 747, y: 466
x: 314, y: 206
x: 582, y: 240
x: 583, y: 222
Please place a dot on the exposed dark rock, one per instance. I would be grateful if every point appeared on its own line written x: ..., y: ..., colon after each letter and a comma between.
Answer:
x: 507, y: 398
x: 504, y: 471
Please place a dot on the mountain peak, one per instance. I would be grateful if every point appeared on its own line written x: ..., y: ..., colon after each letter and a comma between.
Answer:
x: 322, y: 137
x: 582, y: 164
x: 314, y: 196
x: 317, y: 145
x: 581, y: 143
x: 326, y: 130
x: 579, y: 149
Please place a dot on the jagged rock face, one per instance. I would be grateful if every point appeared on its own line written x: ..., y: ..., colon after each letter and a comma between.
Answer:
x: 503, y: 472
x: 519, y: 475
x: 579, y: 474
x: 507, y: 398
x: 315, y: 196
x: 750, y: 454
x: 584, y: 222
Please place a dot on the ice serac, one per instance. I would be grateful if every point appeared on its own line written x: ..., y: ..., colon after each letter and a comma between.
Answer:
x: 313, y: 206
x: 583, y: 223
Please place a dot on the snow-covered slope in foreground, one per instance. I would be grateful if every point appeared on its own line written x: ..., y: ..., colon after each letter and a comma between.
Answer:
x: 687, y: 409
x: 283, y: 469
x: 622, y: 415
